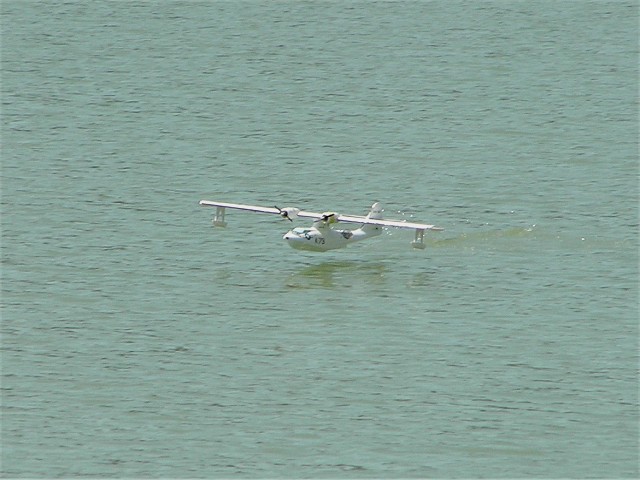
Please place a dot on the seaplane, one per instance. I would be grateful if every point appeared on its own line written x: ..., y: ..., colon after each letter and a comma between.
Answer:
x: 323, y: 235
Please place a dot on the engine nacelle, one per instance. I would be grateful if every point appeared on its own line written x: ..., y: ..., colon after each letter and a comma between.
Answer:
x: 289, y: 212
x: 330, y: 217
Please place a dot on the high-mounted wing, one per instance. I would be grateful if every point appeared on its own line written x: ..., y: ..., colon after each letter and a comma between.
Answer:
x: 388, y: 223
x: 324, y: 218
x: 289, y: 213
x: 239, y: 206
x: 418, y: 227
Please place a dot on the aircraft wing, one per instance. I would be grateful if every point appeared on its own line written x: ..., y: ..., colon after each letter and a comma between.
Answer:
x: 388, y: 223
x: 239, y: 206
x: 291, y: 213
x: 288, y: 213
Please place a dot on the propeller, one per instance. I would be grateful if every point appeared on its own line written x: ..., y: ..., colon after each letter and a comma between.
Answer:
x: 329, y: 217
x: 283, y: 213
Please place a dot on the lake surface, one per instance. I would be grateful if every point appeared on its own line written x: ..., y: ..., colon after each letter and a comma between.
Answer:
x: 138, y: 341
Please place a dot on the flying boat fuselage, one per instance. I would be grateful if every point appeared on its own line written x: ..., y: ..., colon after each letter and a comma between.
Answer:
x: 321, y: 238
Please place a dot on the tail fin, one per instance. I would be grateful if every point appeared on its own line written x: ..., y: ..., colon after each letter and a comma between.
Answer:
x: 376, y: 214
x: 376, y: 211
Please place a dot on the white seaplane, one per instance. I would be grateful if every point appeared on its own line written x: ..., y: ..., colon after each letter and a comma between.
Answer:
x: 322, y: 236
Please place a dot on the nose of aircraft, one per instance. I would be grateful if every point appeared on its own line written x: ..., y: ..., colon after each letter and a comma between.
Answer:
x: 295, y: 241
x: 290, y: 237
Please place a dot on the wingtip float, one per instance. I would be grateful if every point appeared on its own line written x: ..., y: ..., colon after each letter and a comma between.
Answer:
x: 321, y: 236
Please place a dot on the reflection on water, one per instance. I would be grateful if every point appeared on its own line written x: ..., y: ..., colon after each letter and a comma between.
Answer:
x: 332, y: 274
